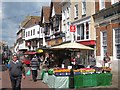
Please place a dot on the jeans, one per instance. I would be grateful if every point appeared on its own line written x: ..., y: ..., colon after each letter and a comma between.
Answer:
x: 16, y: 82
x: 34, y: 75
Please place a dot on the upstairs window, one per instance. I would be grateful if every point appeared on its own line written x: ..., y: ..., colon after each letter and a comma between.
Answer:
x: 68, y: 10
x: 26, y: 34
x: 83, y: 7
x: 114, y: 1
x: 33, y: 31
x: 102, y: 4
x: 104, y: 42
x: 76, y: 11
x: 117, y: 43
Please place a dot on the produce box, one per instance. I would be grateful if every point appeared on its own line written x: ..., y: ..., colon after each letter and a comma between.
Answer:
x: 89, y: 80
x: 78, y: 81
x: 104, y: 79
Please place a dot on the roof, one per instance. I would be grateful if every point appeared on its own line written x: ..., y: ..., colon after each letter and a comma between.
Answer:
x: 45, y: 13
x: 57, y: 6
x: 30, y: 21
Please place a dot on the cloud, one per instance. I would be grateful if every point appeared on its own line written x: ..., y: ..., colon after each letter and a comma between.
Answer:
x: 13, y: 13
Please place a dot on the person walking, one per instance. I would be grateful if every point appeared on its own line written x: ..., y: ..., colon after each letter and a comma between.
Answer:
x: 16, y: 72
x: 34, y: 64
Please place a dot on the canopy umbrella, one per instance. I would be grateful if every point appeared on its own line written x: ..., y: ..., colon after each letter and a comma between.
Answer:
x: 72, y: 45
x: 30, y: 52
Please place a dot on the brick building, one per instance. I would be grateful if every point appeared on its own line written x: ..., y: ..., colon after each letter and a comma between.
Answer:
x: 107, y: 24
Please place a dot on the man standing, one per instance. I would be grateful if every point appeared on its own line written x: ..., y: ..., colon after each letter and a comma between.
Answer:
x: 34, y: 67
x: 17, y: 72
x: 107, y: 60
x: 92, y: 61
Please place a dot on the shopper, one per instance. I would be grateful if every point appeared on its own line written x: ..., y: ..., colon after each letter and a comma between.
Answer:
x: 92, y: 61
x: 107, y: 60
x: 34, y: 67
x: 79, y: 61
x: 17, y: 72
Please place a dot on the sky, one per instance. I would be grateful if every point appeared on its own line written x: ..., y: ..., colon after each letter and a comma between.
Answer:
x: 13, y: 12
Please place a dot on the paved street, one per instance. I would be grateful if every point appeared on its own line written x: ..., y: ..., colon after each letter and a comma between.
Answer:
x: 26, y: 83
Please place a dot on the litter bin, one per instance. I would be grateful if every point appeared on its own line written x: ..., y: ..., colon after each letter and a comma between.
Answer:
x: 71, y: 79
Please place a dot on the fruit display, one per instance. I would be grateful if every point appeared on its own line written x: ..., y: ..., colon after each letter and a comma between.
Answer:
x: 87, y: 70
x: 106, y: 69
x: 62, y: 72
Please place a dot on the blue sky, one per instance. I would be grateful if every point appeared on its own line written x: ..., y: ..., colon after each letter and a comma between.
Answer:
x: 13, y: 13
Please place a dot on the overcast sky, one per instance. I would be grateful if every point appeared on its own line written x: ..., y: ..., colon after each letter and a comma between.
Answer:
x: 13, y: 13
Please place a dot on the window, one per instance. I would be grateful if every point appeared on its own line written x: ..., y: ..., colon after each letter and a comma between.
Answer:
x: 82, y: 31
x: 87, y: 30
x: 78, y: 32
x: 26, y: 34
x: 104, y: 42
x: 76, y: 10
x: 114, y: 1
x: 57, y: 22
x: 117, y: 43
x: 83, y: 7
x: 38, y: 32
x: 102, y: 4
x: 33, y: 31
x: 68, y: 12
x: 63, y: 15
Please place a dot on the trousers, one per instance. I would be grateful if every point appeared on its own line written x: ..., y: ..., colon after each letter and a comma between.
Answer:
x: 34, y: 74
x: 16, y: 82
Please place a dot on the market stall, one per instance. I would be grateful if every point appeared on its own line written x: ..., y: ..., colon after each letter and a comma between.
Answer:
x: 84, y: 77
x: 62, y: 77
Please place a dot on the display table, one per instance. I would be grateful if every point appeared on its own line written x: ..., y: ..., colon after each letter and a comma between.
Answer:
x: 90, y: 80
x: 45, y: 78
x: 58, y: 81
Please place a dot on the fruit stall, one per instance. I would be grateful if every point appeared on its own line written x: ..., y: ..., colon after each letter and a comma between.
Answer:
x: 84, y: 77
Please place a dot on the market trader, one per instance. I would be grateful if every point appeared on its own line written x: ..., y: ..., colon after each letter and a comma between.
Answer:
x: 17, y: 72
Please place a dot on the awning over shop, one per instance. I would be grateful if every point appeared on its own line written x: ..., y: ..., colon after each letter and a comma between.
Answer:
x: 72, y: 45
x: 30, y: 52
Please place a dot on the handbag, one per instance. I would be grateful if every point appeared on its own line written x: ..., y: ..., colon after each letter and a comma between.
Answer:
x: 28, y: 72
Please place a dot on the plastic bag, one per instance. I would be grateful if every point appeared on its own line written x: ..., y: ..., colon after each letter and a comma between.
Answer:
x: 28, y: 72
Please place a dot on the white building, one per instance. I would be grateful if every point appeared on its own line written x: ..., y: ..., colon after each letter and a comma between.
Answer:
x: 66, y: 19
x: 34, y: 37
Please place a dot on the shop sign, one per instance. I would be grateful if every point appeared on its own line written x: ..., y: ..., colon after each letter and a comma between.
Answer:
x: 72, y: 28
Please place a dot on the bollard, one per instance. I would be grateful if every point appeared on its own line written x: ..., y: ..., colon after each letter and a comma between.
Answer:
x: 71, y: 79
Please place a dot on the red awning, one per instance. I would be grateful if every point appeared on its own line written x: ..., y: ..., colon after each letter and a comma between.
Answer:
x: 30, y: 52
x: 90, y: 42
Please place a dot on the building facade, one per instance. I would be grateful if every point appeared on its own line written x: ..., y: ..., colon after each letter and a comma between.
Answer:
x: 81, y: 17
x: 107, y: 24
x: 23, y: 41
x: 55, y: 18
x: 66, y: 22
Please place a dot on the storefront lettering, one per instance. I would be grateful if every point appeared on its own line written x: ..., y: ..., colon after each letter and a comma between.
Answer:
x: 111, y: 14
